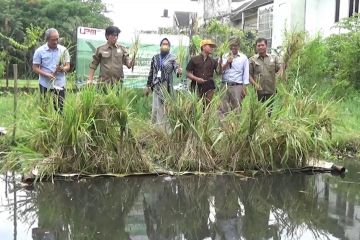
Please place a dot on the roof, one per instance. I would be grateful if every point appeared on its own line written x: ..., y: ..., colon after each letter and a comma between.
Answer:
x: 258, y: 3
x: 248, y: 5
x: 182, y: 19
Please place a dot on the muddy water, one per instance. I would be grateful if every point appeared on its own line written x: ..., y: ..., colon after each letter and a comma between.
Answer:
x: 216, y: 207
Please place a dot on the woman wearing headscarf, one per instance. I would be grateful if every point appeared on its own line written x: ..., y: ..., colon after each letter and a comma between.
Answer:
x: 160, y: 80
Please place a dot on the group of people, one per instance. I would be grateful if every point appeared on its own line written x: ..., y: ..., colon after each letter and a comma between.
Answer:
x: 52, y: 60
x: 237, y: 73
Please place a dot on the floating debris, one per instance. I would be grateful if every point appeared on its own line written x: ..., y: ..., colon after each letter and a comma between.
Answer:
x: 2, y: 131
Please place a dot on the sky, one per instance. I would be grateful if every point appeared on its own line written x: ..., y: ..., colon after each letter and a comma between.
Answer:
x: 133, y: 15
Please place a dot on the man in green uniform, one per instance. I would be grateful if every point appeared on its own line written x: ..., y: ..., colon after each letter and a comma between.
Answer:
x: 111, y: 57
x: 263, y: 69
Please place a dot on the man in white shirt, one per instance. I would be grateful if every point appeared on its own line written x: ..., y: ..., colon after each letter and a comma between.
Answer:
x: 235, y: 77
x: 52, y: 61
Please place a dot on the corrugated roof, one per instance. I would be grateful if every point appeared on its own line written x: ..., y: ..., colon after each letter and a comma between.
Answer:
x: 236, y: 14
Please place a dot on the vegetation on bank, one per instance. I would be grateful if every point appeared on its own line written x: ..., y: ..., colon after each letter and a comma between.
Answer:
x: 103, y: 133
x: 329, y: 67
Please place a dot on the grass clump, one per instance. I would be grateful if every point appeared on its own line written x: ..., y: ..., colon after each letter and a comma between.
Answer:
x: 91, y: 136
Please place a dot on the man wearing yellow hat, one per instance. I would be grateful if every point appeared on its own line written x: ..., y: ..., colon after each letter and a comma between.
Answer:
x: 200, y: 70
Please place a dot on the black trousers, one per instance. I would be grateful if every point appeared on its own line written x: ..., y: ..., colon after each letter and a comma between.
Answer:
x: 58, y: 97
x: 270, y: 104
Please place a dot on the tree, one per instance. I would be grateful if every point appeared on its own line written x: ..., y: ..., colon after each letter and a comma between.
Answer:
x: 65, y: 15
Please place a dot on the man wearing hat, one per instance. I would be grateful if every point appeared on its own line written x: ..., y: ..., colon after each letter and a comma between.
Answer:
x: 235, y: 77
x: 200, y: 70
x: 111, y: 57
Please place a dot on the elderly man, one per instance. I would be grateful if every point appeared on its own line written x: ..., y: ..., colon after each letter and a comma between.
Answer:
x: 111, y: 57
x: 51, y: 61
x: 235, y: 77
x: 263, y: 70
x: 200, y: 70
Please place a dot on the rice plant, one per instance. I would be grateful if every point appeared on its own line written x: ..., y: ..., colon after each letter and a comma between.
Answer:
x: 299, y: 127
x: 135, y: 48
x: 110, y: 132
x: 92, y: 135
x: 181, y: 53
x: 293, y: 42
x: 189, y: 145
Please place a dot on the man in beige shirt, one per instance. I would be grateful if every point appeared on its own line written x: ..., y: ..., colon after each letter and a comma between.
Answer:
x: 263, y: 68
x: 111, y: 57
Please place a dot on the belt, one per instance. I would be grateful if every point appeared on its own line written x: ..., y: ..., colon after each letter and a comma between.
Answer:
x: 232, y: 83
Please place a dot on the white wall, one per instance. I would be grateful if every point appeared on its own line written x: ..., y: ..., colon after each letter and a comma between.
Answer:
x: 132, y: 15
x: 320, y: 16
x: 313, y: 16
x: 281, y: 18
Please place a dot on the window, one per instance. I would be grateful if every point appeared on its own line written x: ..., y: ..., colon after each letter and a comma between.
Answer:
x: 353, y: 7
x: 337, y: 10
x: 265, y: 23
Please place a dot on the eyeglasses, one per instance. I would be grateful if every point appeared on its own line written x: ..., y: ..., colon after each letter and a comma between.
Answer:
x: 54, y: 39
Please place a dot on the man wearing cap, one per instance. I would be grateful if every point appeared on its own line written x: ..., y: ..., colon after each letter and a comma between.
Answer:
x: 263, y: 69
x: 111, y: 57
x: 235, y: 77
x: 200, y: 70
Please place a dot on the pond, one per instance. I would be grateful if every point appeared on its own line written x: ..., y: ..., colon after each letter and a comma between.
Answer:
x: 295, y: 206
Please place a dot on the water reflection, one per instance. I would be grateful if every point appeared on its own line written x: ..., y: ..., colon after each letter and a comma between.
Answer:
x: 222, y: 207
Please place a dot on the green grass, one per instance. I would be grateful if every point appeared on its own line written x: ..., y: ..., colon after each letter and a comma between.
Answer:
x: 26, y: 105
x: 346, y: 135
x: 22, y: 83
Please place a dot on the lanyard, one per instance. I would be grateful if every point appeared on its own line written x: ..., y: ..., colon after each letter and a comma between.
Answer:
x: 162, y: 61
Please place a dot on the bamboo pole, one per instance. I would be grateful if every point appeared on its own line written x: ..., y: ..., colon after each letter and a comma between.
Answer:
x: 15, y: 68
x: 7, y: 76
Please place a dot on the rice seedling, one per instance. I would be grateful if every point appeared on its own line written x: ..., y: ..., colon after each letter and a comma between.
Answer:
x: 195, y: 45
x: 181, y: 53
x: 135, y: 48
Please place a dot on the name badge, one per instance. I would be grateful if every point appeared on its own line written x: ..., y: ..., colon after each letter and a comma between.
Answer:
x: 118, y: 50
x: 158, y: 75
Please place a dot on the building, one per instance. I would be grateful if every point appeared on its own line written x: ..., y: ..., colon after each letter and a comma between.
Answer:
x: 216, y: 9
x: 183, y: 21
x: 255, y: 15
x: 312, y: 16
x: 270, y: 18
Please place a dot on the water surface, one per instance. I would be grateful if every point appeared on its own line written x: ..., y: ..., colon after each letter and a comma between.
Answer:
x: 189, y: 207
